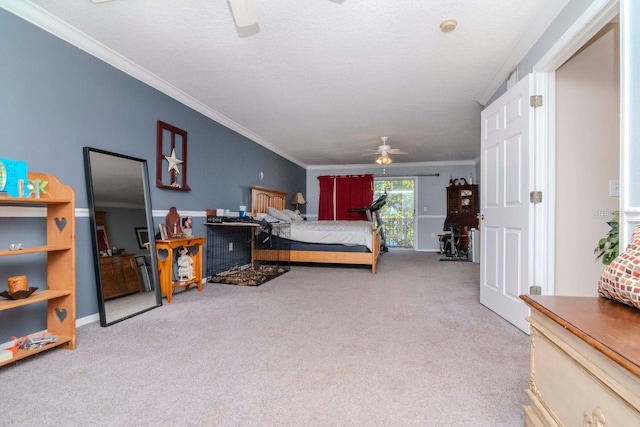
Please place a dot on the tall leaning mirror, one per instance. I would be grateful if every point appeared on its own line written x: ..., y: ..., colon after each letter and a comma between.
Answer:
x: 122, y: 232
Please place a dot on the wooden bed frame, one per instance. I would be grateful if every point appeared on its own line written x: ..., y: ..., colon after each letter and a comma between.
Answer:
x: 264, y: 198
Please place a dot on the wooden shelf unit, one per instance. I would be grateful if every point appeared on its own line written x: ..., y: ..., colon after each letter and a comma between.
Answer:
x: 462, y: 209
x: 60, y: 289
x: 166, y: 255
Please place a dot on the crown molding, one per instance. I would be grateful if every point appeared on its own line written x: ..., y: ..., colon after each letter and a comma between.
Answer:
x: 55, y: 26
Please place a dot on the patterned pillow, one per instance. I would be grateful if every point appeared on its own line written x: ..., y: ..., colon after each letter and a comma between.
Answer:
x: 620, y: 281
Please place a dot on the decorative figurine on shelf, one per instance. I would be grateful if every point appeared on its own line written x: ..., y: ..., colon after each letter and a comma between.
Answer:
x: 174, y: 229
x: 185, y: 264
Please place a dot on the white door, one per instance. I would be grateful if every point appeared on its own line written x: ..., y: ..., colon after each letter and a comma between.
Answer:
x: 506, y: 234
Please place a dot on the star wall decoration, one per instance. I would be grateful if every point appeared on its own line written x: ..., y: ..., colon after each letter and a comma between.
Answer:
x: 173, y: 161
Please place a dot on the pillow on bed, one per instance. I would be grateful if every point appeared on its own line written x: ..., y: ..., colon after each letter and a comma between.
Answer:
x: 279, y: 214
x: 265, y: 216
x: 291, y: 214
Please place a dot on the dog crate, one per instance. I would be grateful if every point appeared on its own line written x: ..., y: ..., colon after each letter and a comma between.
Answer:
x: 246, y: 253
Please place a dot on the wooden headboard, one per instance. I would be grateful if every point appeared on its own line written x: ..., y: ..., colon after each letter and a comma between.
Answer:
x: 263, y: 198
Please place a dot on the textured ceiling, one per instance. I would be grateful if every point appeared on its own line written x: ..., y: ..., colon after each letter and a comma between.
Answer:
x: 320, y: 81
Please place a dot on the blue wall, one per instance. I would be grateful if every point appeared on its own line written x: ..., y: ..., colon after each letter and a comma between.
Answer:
x: 56, y: 99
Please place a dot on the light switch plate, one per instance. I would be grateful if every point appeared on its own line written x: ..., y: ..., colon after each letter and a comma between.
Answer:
x: 614, y: 188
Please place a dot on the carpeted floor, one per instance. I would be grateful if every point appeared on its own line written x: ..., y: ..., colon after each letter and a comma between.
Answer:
x: 318, y: 346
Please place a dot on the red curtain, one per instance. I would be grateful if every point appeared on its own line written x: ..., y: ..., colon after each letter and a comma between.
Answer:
x: 351, y: 192
x: 325, y: 208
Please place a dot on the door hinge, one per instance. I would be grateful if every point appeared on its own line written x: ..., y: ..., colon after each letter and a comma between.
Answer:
x: 535, y: 101
x: 535, y: 290
x: 535, y: 197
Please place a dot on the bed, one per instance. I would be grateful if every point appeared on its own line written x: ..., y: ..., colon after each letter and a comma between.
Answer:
x: 365, y: 254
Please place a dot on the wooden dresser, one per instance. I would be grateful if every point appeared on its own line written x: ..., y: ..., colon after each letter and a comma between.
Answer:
x: 119, y: 274
x: 585, y: 362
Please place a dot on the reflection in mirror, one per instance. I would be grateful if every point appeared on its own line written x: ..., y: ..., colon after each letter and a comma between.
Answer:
x: 120, y: 212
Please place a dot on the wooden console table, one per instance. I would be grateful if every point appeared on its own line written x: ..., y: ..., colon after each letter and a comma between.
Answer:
x: 585, y: 362
x: 166, y: 250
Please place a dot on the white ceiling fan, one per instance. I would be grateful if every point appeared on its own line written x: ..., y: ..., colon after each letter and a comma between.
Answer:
x: 383, y: 151
x: 245, y: 12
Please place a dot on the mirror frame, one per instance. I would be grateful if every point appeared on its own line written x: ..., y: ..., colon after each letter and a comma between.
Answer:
x: 94, y: 232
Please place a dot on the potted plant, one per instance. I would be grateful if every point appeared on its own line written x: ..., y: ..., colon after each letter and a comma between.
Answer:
x: 607, y: 248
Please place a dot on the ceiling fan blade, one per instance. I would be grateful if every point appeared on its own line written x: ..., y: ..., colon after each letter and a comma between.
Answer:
x: 396, y: 151
x: 371, y: 154
x: 245, y: 12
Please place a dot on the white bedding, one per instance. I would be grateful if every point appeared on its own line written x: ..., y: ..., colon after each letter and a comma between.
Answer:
x: 332, y: 232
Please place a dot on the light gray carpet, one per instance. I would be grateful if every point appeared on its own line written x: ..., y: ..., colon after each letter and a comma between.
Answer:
x: 318, y: 346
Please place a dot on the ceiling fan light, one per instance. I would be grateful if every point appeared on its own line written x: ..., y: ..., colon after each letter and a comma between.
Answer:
x: 384, y: 160
x: 245, y: 12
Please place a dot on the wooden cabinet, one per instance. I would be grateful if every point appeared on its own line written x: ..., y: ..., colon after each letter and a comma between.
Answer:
x: 166, y: 250
x: 585, y: 362
x: 59, y: 292
x: 119, y: 274
x: 462, y: 200
x: 462, y: 210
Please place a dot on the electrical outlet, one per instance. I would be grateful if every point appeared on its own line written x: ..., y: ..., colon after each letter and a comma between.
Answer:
x: 433, y: 235
x: 230, y: 246
x: 424, y: 209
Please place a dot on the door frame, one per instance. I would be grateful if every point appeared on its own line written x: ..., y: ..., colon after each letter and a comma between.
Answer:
x: 593, y: 19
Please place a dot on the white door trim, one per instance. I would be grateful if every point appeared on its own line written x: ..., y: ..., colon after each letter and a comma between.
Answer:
x: 544, y: 146
x: 629, y: 131
x: 594, y: 18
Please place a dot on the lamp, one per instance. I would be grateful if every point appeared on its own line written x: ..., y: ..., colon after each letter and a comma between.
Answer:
x: 298, y: 199
x: 384, y: 160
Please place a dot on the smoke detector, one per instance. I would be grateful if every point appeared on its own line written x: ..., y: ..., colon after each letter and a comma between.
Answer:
x: 448, y: 25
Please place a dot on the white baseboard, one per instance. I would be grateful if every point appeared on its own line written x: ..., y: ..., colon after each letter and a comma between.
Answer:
x: 87, y: 319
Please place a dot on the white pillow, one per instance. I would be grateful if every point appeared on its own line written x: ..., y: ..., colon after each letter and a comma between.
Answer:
x: 294, y: 216
x: 269, y: 218
x: 279, y: 214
